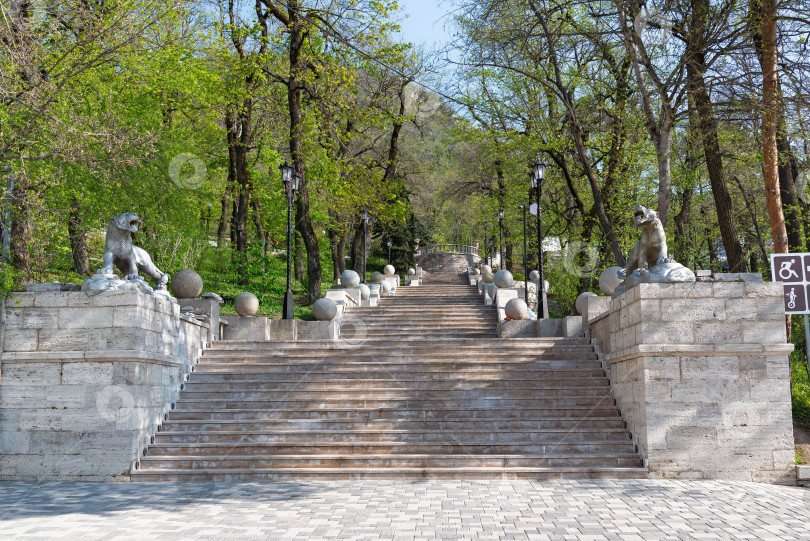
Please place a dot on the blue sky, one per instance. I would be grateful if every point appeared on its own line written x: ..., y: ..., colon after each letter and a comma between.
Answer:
x: 424, y: 23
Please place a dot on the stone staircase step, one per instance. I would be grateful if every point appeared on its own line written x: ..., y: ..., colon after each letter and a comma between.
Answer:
x: 404, y: 474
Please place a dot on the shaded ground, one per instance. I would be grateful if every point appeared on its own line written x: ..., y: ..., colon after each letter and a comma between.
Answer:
x: 372, y: 510
x: 801, y: 435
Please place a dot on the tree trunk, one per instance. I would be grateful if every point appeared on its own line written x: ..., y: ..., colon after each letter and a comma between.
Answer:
x: 300, y: 256
x: 683, y: 237
x: 222, y: 229
x: 303, y: 220
x: 78, y: 239
x: 770, y: 122
x: 787, y: 188
x: 707, y: 125
x: 257, y: 221
x: 20, y: 231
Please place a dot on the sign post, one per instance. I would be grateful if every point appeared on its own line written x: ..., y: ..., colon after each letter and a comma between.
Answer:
x: 793, y: 270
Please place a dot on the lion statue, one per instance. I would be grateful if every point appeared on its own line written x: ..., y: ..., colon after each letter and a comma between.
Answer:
x: 121, y: 253
x: 651, y: 248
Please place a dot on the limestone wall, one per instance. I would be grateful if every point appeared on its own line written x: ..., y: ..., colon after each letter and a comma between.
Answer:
x: 700, y: 372
x: 85, y: 381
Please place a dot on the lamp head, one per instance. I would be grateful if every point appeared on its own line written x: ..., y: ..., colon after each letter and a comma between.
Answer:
x: 286, y: 173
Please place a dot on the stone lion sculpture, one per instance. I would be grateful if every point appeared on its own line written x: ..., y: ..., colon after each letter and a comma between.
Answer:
x: 121, y: 253
x: 651, y: 248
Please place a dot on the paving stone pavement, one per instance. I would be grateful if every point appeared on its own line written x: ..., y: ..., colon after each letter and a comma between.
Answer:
x: 373, y: 510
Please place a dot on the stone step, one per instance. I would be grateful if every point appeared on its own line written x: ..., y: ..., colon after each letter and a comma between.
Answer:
x: 392, y: 362
x: 457, y: 437
x: 397, y: 413
x: 488, y: 346
x: 185, y: 402
x: 186, y: 425
x: 304, y: 392
x: 326, y: 383
x: 402, y: 474
x: 625, y: 460
x: 293, y: 373
x: 388, y: 447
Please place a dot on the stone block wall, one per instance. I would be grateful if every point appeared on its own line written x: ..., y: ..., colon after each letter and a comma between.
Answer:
x: 446, y: 262
x: 86, y: 380
x: 700, y: 372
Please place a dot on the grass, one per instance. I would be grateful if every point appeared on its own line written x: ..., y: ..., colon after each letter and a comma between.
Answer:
x: 799, y: 384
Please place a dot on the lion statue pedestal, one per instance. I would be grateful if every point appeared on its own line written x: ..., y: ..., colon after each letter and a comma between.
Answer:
x: 648, y: 262
x: 119, y: 252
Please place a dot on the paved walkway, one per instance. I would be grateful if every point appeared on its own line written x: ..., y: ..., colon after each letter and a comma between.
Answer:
x: 587, y: 510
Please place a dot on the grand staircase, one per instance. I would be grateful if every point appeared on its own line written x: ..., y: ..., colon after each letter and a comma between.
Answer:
x: 418, y: 387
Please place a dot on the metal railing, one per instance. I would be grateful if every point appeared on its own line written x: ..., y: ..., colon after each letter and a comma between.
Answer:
x: 448, y: 249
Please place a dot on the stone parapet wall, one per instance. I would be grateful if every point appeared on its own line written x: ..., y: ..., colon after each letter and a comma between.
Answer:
x: 86, y: 380
x: 700, y: 372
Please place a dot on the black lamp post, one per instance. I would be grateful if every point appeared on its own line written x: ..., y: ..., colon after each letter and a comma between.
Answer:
x: 525, y: 262
x: 208, y: 220
x: 390, y: 243
x: 290, y: 180
x: 500, y: 237
x: 537, y: 178
x: 486, y: 247
x: 364, y: 217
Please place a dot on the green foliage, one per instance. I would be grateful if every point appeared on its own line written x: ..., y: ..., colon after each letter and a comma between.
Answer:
x: 799, y: 384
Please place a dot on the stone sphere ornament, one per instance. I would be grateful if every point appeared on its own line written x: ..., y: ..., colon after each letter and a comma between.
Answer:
x: 324, y: 309
x: 488, y: 277
x: 349, y: 279
x: 365, y: 292
x: 503, y: 278
x: 476, y: 272
x: 516, y: 309
x: 411, y: 272
x: 389, y: 270
x: 376, y: 277
x: 186, y: 284
x: 534, y: 275
x: 480, y: 285
x: 609, y: 280
x: 485, y: 269
x: 246, y: 304
x: 582, y: 301
x: 386, y: 286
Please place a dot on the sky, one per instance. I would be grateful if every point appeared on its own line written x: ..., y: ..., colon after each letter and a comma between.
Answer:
x: 424, y: 23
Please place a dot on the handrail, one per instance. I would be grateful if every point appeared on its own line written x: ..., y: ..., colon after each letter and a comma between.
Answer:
x: 448, y: 249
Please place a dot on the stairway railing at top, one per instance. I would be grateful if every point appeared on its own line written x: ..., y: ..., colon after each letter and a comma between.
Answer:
x: 448, y: 249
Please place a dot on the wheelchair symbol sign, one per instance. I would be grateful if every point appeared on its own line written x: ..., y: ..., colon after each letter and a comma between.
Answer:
x: 788, y: 268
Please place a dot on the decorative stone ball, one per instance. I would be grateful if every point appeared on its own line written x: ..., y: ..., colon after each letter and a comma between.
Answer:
x: 485, y: 269
x: 187, y: 284
x: 476, y: 272
x: 488, y: 277
x: 609, y: 280
x: 246, y: 304
x: 546, y: 285
x: 503, y: 278
x: 349, y: 279
x: 324, y: 309
x: 480, y: 285
x: 386, y: 286
x: 376, y: 277
x: 534, y: 275
x: 389, y: 270
x: 411, y: 272
x: 365, y: 292
x: 516, y: 309
x: 582, y: 301
x: 491, y: 291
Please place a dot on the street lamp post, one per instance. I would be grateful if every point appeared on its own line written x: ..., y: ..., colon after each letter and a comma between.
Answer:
x: 525, y: 262
x: 537, y: 178
x: 290, y: 180
x: 208, y: 221
x: 364, y: 217
x: 500, y: 237
x: 390, y: 243
x: 486, y: 248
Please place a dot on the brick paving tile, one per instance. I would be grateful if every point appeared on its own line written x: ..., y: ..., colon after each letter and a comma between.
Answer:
x: 430, y: 510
